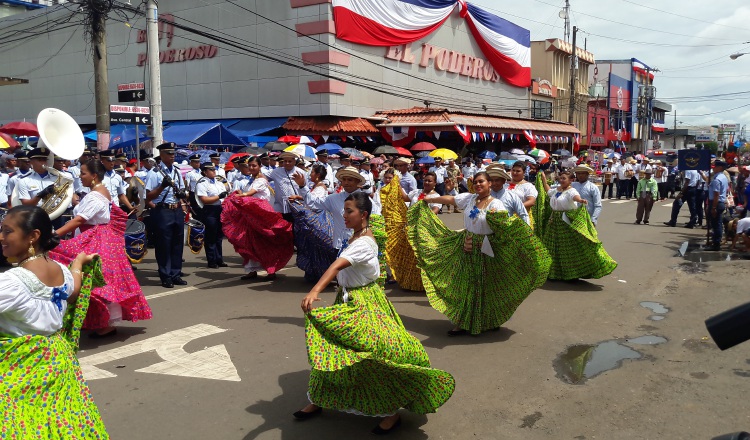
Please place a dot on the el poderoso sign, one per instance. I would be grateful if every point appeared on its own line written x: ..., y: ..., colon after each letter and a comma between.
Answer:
x: 445, y: 60
x: 170, y: 55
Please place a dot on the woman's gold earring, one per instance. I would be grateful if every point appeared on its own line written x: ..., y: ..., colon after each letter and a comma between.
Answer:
x: 31, y: 249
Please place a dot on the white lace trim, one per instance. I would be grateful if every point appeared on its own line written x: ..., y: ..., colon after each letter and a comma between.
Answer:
x: 36, y: 287
x: 352, y: 411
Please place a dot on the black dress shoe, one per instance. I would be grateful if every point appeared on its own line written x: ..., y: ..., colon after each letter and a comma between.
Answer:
x: 689, y: 226
x: 645, y: 222
x: 670, y: 224
x: 213, y: 266
x: 223, y: 264
x: 301, y: 415
x: 713, y: 248
x: 179, y: 282
x: 377, y: 430
x: 167, y: 284
x: 182, y: 274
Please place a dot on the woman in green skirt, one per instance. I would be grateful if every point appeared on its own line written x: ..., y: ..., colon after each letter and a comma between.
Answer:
x: 570, y: 237
x: 42, y: 306
x: 479, y: 276
x: 363, y: 359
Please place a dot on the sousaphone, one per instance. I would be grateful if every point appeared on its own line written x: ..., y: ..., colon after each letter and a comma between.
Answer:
x: 61, y: 135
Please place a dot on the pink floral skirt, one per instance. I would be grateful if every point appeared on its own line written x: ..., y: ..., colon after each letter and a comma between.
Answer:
x: 122, y: 287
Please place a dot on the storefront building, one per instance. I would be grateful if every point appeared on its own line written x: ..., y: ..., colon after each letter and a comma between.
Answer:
x: 300, y: 59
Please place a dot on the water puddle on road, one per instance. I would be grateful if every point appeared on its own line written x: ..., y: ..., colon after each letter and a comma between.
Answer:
x: 647, y: 340
x: 581, y: 362
x: 697, y: 253
x: 659, y: 309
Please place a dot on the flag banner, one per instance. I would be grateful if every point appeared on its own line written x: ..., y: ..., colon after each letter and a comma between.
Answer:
x: 506, y: 45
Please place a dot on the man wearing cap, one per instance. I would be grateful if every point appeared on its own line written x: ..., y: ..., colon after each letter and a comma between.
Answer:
x: 364, y: 170
x: 588, y: 191
x: 406, y: 180
x: 687, y: 195
x: 40, y: 183
x: 608, y: 181
x: 24, y: 170
x: 350, y: 180
x: 646, y: 193
x: 322, y: 157
x: 512, y: 201
x: 265, y: 165
x: 234, y: 173
x: 114, y: 183
x: 211, y: 192
x: 241, y: 181
x: 717, y: 199
x: 191, y: 179
x: 285, y: 184
x: 147, y: 162
x: 441, y: 174
x: 215, y: 159
x: 166, y: 189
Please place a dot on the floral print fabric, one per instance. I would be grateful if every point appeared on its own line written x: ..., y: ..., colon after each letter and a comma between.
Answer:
x: 475, y: 291
x: 42, y: 390
x: 398, y: 251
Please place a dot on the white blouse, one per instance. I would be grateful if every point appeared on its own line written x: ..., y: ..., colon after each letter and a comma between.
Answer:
x: 362, y: 253
x: 27, y: 306
x: 414, y: 196
x: 475, y: 219
x: 564, y: 201
x: 524, y: 190
x: 94, y: 208
x: 262, y: 189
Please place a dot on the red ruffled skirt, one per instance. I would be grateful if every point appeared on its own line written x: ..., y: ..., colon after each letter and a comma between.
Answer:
x: 257, y: 232
x: 122, y: 287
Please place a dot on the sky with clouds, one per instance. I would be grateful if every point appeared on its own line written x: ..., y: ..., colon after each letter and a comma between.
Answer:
x: 688, y: 40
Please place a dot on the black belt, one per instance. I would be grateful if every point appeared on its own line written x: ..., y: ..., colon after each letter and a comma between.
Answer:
x: 168, y: 205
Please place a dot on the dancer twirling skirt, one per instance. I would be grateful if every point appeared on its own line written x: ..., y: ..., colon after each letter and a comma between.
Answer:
x: 102, y: 225
x: 398, y: 251
x: 313, y: 230
x: 43, y: 394
x: 363, y: 359
x: 570, y: 237
x: 479, y: 276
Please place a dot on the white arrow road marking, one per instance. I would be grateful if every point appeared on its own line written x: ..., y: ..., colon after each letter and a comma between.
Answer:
x: 210, y: 363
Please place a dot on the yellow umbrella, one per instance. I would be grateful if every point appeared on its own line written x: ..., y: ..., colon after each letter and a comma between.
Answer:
x: 444, y: 153
x: 3, y: 144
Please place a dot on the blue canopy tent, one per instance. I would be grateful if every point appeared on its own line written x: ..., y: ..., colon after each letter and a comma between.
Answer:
x: 212, y: 135
x: 250, y: 130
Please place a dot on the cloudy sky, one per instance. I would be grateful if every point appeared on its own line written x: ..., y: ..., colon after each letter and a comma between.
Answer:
x: 688, y: 40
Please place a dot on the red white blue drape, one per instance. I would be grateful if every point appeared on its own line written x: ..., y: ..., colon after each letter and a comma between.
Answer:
x: 395, y: 22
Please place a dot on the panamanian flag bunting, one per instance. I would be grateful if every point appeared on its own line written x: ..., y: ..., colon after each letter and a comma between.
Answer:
x: 506, y: 45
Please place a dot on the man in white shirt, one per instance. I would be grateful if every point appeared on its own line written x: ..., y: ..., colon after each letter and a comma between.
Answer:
x: 191, y: 180
x: 24, y: 169
x: 660, y: 174
x: 468, y: 171
x: 215, y: 159
x: 624, y: 172
x: 687, y: 195
x: 608, y: 178
x: 322, y: 156
x: 406, y: 180
x: 40, y: 183
x: 364, y: 169
x: 265, y: 165
x: 588, y: 191
x: 441, y: 174
x: 285, y: 185
x: 113, y: 182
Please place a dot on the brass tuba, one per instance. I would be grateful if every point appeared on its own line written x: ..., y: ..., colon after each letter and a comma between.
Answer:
x: 61, y: 134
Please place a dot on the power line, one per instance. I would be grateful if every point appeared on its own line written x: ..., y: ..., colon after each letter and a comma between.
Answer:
x: 684, y: 16
x: 715, y: 113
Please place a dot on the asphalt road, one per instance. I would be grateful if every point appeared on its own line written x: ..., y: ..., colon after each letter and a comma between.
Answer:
x: 225, y: 359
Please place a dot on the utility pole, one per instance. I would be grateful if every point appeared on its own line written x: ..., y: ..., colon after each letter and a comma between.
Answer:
x: 152, y: 29
x: 99, y: 52
x: 674, y: 139
x: 573, y: 77
x: 565, y: 14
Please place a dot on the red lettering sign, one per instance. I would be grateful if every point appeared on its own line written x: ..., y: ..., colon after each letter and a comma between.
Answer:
x: 166, y: 31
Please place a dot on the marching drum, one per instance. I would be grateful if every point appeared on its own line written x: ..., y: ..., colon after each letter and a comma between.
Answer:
x: 195, y: 235
x: 135, y: 240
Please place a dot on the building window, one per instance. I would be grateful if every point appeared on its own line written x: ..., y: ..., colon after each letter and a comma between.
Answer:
x: 541, y: 109
x: 593, y: 125
x: 602, y: 122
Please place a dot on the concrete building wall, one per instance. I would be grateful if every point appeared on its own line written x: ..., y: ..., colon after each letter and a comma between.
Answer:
x: 233, y: 84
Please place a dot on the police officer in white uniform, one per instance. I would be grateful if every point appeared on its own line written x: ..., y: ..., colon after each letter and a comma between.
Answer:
x: 40, y: 182
x: 212, y: 193
x: 191, y: 179
x: 113, y: 182
x: 215, y: 159
x: 169, y: 197
x: 24, y: 169
x: 323, y: 160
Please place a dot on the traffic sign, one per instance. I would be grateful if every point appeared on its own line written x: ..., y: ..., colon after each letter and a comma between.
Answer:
x: 126, y: 114
x: 131, y: 92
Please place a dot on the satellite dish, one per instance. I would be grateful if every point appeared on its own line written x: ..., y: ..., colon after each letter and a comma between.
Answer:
x: 563, y: 14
